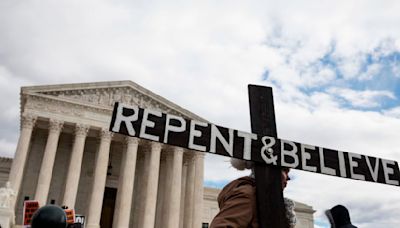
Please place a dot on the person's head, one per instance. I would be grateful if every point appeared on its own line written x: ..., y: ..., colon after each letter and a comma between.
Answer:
x: 49, y: 216
x: 338, y: 216
x: 242, y: 165
x: 285, y: 176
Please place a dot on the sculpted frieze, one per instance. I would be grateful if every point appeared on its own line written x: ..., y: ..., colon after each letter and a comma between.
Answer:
x: 53, y: 107
x: 108, y: 96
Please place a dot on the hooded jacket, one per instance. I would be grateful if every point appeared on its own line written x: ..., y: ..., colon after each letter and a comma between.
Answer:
x: 237, y: 203
x: 339, y: 217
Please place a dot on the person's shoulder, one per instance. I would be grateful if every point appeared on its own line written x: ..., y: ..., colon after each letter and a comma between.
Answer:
x: 240, y: 182
x: 242, y: 186
x: 246, y: 185
x: 246, y: 181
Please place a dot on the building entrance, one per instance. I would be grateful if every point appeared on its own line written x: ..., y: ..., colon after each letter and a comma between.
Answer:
x: 107, y: 212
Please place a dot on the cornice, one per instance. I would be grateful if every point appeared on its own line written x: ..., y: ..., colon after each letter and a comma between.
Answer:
x: 6, y: 160
x: 304, y: 210
x: 301, y: 207
x: 163, y: 104
x: 210, y: 197
x: 73, y: 102
x: 47, y: 107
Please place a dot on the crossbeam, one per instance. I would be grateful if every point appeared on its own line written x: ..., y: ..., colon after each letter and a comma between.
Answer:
x: 207, y: 137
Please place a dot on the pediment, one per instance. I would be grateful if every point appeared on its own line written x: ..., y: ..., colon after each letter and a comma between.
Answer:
x: 105, y: 94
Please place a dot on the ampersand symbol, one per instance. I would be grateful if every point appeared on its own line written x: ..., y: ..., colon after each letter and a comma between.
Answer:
x: 267, y: 151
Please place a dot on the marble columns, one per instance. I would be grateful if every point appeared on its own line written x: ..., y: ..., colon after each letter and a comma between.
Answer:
x: 182, y: 198
x: 174, y: 190
x: 183, y: 191
x: 99, y: 180
x: 126, y: 181
x: 150, y: 201
x: 75, y: 164
x: 198, y: 190
x: 46, y: 169
x: 189, y: 193
x: 18, y: 165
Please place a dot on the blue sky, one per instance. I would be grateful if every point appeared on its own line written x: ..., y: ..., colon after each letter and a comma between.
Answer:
x: 334, y: 68
x: 216, y: 184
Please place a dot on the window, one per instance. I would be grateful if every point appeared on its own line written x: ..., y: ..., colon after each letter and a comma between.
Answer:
x: 204, y: 225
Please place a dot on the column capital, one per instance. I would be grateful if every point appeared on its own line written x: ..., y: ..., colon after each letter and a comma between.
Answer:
x: 199, y: 155
x: 131, y: 140
x: 171, y: 150
x: 55, y: 125
x: 81, y: 129
x: 28, y: 121
x: 105, y: 134
x: 168, y: 150
x: 156, y: 146
x: 178, y: 149
x: 188, y: 158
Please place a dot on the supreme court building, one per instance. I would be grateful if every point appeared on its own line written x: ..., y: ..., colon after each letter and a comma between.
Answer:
x: 67, y: 156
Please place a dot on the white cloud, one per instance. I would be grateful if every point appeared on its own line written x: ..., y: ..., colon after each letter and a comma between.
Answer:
x: 350, y: 66
x: 219, y: 169
x: 394, y: 112
x: 320, y: 100
x: 372, y: 70
x: 396, y: 69
x: 7, y: 148
x: 363, y: 99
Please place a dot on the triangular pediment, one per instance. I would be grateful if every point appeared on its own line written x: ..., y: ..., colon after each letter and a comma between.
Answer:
x: 105, y: 94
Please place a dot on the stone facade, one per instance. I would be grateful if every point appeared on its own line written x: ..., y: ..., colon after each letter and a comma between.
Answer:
x: 210, y: 203
x: 5, y: 165
x: 66, y: 156
x: 304, y: 213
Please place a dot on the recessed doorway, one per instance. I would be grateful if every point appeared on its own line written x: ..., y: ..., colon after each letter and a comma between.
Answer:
x: 107, y: 212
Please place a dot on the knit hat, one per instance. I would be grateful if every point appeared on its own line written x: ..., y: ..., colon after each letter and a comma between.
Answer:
x: 241, y: 164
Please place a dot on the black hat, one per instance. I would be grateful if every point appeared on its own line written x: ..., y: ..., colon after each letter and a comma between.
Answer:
x: 339, y: 216
x: 49, y: 216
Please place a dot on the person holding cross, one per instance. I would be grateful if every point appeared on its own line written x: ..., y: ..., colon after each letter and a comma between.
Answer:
x: 237, y: 201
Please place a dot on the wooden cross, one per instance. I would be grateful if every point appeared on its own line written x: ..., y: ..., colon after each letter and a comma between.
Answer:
x: 270, y: 204
x: 262, y: 147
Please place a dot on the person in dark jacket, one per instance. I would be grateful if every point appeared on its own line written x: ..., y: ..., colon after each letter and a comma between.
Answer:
x: 339, y: 217
x: 237, y: 201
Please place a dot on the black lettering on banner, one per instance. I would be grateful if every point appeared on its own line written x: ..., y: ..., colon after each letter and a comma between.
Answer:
x: 205, y: 137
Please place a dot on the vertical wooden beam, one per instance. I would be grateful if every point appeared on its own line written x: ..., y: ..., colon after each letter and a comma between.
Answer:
x: 270, y: 204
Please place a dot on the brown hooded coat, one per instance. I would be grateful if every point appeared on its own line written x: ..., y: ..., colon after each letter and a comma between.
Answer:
x: 237, y: 203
